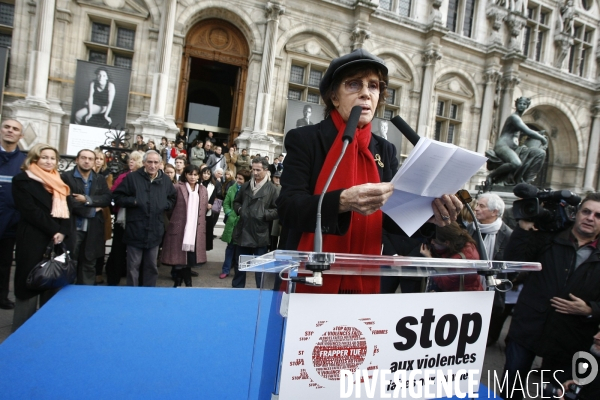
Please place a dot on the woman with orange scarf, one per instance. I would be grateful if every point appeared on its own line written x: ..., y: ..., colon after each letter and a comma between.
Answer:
x: 43, y: 201
x: 351, y: 217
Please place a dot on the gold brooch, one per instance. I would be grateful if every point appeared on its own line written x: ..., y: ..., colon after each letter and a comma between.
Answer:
x: 378, y: 159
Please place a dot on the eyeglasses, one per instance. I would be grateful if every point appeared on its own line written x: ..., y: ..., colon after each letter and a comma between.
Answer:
x: 356, y: 85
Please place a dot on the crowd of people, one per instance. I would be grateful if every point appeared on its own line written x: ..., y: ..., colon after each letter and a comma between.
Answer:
x: 166, y: 205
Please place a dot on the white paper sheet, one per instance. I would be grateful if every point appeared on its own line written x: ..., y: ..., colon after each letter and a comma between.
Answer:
x: 431, y: 170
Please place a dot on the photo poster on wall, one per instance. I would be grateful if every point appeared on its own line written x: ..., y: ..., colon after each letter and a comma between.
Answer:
x: 100, y: 99
x: 3, y: 65
x: 387, y: 130
x: 301, y: 113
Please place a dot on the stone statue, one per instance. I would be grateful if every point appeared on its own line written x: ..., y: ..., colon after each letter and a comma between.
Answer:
x: 566, y: 18
x: 511, y: 163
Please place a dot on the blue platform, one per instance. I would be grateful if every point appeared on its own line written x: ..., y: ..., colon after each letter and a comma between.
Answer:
x: 145, y: 343
x: 138, y: 343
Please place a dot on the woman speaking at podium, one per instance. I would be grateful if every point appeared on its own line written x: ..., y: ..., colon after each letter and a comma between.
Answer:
x: 351, y: 217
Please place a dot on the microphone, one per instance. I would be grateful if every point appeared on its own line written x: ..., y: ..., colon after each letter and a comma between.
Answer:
x: 352, y: 123
x: 405, y: 129
x: 525, y: 191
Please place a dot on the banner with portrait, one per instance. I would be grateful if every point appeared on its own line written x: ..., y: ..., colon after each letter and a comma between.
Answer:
x: 100, y: 99
x: 301, y: 113
x: 387, y: 130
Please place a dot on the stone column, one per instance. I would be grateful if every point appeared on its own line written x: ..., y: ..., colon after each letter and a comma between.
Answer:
x: 508, y: 83
x: 591, y: 163
x: 160, y: 83
x: 430, y: 57
x: 261, y: 118
x: 491, y: 77
x: 39, y: 68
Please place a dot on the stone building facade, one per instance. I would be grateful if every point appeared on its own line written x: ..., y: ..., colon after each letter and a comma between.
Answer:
x: 456, y: 66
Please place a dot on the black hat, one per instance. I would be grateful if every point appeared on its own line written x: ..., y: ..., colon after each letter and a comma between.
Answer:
x: 354, y: 58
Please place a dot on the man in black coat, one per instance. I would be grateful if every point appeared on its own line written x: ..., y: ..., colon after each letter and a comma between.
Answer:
x: 255, y: 204
x: 146, y: 194
x: 90, y: 193
x: 558, y: 311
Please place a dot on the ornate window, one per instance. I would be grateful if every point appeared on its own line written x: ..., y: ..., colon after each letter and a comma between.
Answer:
x: 304, y: 82
x: 579, y: 55
x: 111, y: 42
x: 536, y: 31
x: 7, y: 16
x: 392, y: 103
x: 402, y: 7
x: 461, y: 16
x: 447, y: 120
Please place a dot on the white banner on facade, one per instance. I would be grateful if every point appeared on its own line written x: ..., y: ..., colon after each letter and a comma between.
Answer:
x: 85, y: 137
x: 417, y: 345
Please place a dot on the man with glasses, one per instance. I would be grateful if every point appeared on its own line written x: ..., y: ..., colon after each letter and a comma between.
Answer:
x: 558, y: 311
x: 255, y: 204
x: 146, y: 194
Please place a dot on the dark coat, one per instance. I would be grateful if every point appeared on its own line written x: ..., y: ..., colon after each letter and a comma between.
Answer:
x: 255, y: 211
x: 100, y: 196
x: 10, y: 165
x: 297, y: 205
x: 535, y: 323
x: 146, y: 202
x: 502, y: 238
x: 171, y: 249
x: 36, y: 229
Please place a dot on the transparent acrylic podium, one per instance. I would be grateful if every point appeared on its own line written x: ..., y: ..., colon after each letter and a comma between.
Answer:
x: 272, y: 313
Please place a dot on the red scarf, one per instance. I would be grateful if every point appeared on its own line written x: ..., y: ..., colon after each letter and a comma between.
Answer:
x: 364, y: 234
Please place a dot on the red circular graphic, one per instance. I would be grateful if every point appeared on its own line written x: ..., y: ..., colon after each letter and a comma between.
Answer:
x: 344, y: 347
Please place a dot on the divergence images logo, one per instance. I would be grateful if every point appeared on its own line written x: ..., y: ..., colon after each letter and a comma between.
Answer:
x: 584, y: 367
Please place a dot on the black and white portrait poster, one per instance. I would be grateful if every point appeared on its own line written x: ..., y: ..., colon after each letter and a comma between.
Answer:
x: 3, y: 59
x: 387, y: 130
x: 301, y: 113
x: 100, y: 100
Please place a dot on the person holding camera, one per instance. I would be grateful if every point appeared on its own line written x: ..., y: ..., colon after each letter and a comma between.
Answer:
x: 558, y: 311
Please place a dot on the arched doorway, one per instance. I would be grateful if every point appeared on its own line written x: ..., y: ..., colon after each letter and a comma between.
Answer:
x: 212, y: 82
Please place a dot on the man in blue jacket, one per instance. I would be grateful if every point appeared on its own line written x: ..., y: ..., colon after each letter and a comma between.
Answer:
x: 11, y: 159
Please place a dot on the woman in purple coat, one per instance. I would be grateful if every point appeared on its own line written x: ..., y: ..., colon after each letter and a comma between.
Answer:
x: 185, y: 241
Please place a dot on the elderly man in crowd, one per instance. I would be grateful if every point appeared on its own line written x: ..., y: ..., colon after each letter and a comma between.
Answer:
x: 495, y: 234
x: 91, y: 193
x: 255, y: 204
x: 146, y: 194
x: 11, y: 159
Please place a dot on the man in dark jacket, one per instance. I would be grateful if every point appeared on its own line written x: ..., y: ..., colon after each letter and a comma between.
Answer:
x: 255, y: 204
x: 90, y: 193
x: 11, y: 159
x: 146, y: 194
x: 558, y: 311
